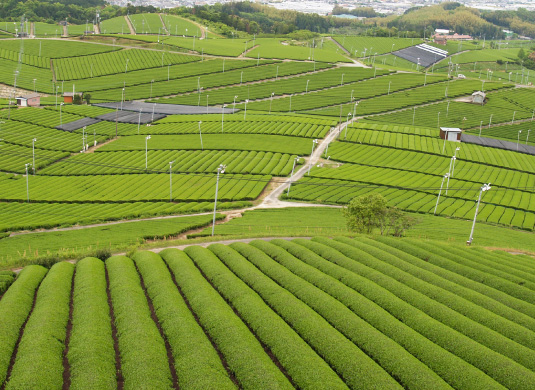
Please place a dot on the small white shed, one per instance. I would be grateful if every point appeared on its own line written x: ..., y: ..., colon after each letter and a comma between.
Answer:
x: 451, y: 134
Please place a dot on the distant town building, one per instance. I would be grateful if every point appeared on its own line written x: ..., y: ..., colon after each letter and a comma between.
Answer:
x: 32, y: 100
x: 68, y: 96
x: 451, y: 134
x: 479, y: 97
x: 441, y: 31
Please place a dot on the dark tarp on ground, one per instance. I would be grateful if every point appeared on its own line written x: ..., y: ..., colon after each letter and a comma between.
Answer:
x: 71, y: 126
x: 167, y: 109
x: 498, y: 143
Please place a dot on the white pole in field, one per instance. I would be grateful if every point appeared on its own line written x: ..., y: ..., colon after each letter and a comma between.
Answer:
x: 290, y: 110
x: 449, y: 175
x: 480, y: 125
x: 146, y: 150
x: 223, y: 116
x: 518, y: 139
x: 234, y: 102
x: 484, y: 188
x: 245, y: 111
x: 83, y: 139
x: 306, y: 90
x: 171, y: 180
x: 347, y: 125
x: 199, y: 93
x: 271, y: 101
x: 139, y: 121
x: 60, y: 118
x: 490, y: 120
x: 296, y: 159
x: 512, y: 120
x: 27, y: 185
x: 527, y: 137
x: 33, y: 154
x: 314, y: 142
x: 221, y: 169
x: 454, y: 160
x: 200, y: 135
x: 439, y: 192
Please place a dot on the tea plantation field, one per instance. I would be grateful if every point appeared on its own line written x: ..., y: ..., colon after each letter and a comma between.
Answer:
x: 289, y: 94
x: 406, y: 314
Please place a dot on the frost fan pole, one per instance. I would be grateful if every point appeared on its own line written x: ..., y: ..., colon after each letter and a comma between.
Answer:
x: 221, y: 169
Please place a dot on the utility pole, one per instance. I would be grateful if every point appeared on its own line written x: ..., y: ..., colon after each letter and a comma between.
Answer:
x: 484, y: 188
x: 220, y: 169
x: 296, y: 160
x: 439, y: 192
x: 171, y: 180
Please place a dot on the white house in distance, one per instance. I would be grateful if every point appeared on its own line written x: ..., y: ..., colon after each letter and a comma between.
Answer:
x: 451, y: 134
x: 32, y: 100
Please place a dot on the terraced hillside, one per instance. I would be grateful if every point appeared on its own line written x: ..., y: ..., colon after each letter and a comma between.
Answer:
x: 346, y: 313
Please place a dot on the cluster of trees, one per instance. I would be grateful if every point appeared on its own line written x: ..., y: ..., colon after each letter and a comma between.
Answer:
x: 451, y: 16
x: 368, y: 212
x: 520, y: 21
x: 75, y: 11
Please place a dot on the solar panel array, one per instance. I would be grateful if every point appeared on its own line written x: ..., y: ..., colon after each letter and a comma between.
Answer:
x: 424, y: 55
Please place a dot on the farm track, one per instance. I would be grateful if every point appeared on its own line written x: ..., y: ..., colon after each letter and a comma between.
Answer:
x: 163, y: 24
x: 244, y: 54
x: 129, y: 23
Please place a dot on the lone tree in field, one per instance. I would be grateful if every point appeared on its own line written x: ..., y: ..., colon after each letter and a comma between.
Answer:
x: 367, y: 212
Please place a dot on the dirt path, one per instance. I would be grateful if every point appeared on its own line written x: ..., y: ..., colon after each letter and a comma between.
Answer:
x: 272, y: 200
x: 130, y: 26
x: 242, y: 55
x: 163, y: 25
x: 201, y: 28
